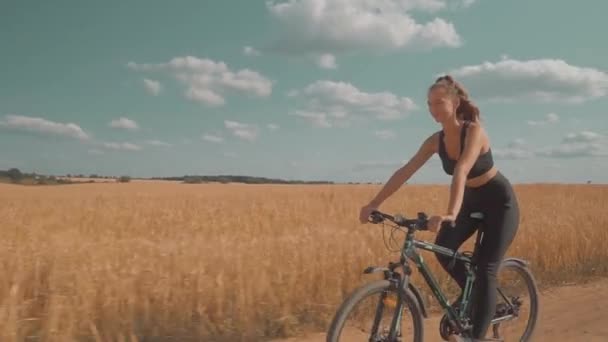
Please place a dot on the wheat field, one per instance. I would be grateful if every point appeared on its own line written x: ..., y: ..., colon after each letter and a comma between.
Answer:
x: 163, y: 261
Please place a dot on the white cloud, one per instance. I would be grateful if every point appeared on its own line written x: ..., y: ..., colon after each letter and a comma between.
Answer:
x: 581, y: 144
x: 542, y: 80
x: 517, y: 149
x: 573, y: 145
x: 316, y: 118
x: 152, y: 87
x: 330, y: 103
x: 158, y: 143
x: 550, y: 118
x: 209, y: 82
x: 574, y: 150
x: 273, y: 127
x: 42, y: 126
x: 327, y: 61
x: 242, y: 131
x: 205, y: 96
x: 385, y: 134
x: 213, y: 138
x: 518, y: 142
x: 582, y: 137
x: 250, y: 51
x: 126, y: 146
x: 124, y: 123
x: 321, y: 26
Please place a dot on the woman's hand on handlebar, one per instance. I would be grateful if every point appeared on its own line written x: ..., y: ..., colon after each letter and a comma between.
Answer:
x: 366, y: 211
x: 436, y: 220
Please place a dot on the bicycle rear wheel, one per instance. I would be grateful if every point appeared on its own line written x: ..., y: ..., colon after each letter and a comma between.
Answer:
x: 517, y: 303
x: 363, y: 316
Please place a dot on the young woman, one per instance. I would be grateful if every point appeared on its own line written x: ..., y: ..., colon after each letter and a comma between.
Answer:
x: 477, y: 186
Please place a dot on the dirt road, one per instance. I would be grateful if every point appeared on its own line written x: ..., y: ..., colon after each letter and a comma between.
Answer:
x: 569, y: 313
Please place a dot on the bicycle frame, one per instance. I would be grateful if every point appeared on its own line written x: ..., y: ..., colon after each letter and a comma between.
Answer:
x: 410, y: 251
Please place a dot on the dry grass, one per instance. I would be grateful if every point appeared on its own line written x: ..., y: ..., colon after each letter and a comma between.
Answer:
x: 173, y: 262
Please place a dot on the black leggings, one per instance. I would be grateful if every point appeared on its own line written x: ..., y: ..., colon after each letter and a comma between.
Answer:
x: 497, y: 201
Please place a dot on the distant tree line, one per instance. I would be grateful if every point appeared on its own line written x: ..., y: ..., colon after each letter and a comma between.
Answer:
x: 193, y: 179
x: 15, y: 176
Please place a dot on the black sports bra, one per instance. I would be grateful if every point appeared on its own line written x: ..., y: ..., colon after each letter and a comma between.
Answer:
x: 483, y: 163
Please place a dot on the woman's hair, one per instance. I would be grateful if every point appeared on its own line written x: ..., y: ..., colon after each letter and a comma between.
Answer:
x: 467, y: 110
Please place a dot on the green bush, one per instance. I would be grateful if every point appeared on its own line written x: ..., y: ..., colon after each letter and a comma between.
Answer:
x: 124, y: 179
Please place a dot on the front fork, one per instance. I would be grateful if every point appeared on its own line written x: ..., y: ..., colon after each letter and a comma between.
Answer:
x: 398, y: 283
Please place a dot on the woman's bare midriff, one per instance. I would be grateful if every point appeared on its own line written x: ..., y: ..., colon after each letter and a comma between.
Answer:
x: 482, y: 179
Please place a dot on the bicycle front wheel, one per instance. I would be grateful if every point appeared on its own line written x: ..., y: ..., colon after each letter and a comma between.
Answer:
x: 367, y: 314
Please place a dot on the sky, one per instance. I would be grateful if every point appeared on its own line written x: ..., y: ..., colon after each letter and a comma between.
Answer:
x: 298, y: 89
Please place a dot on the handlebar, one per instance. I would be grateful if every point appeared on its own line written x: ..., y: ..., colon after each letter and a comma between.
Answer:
x: 419, y: 223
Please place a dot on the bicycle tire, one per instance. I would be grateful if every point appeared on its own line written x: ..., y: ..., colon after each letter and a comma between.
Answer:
x: 530, y: 281
x: 374, y: 287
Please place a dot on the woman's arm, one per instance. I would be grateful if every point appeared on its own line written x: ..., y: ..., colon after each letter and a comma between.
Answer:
x: 404, y: 173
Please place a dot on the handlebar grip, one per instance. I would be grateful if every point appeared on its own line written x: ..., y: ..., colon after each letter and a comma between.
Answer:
x: 423, y: 220
x: 375, y: 217
x: 420, y: 223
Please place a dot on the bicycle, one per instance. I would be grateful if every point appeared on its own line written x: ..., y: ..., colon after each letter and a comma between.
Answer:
x: 456, y: 319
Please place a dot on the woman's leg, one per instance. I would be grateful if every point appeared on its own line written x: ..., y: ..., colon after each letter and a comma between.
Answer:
x: 452, y: 238
x: 500, y: 227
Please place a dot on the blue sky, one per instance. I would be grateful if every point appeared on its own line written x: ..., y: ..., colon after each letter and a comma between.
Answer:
x: 300, y: 89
